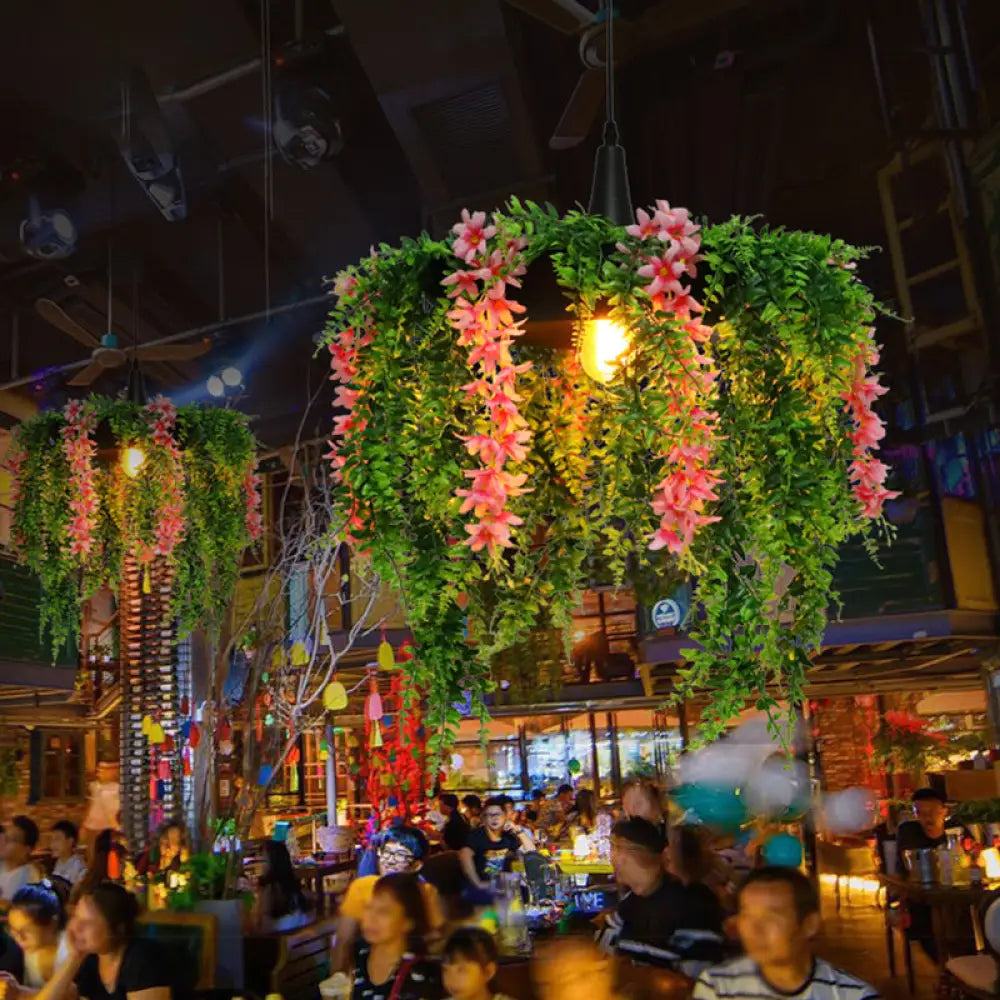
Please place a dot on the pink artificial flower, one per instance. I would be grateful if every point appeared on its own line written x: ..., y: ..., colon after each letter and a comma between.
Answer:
x: 492, y: 532
x: 498, y: 309
x: 472, y: 234
x: 645, y: 226
x: 464, y: 282
x: 663, y: 272
x: 345, y: 285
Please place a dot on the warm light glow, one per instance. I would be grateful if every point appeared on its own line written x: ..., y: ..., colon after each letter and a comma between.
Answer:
x: 232, y: 377
x: 216, y: 387
x: 133, y: 460
x: 603, y: 346
x: 581, y: 847
x: 856, y: 883
x: 989, y: 858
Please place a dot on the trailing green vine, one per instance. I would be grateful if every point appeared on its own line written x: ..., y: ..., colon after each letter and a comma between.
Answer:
x: 104, y: 479
x: 490, y: 477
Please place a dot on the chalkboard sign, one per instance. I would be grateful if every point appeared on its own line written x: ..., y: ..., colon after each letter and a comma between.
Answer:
x: 20, y: 597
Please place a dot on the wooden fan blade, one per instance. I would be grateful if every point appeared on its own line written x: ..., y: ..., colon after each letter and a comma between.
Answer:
x: 581, y: 111
x: 54, y: 313
x: 566, y: 16
x: 172, y: 352
x: 87, y: 375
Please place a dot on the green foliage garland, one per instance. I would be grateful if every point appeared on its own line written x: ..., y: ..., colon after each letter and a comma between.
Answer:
x: 790, y: 322
x: 132, y: 515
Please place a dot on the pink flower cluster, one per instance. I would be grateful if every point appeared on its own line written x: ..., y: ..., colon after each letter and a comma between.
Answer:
x: 162, y: 416
x: 254, y: 518
x: 668, y: 253
x: 79, y: 448
x: 344, y: 350
x: 867, y: 473
x: 484, y: 319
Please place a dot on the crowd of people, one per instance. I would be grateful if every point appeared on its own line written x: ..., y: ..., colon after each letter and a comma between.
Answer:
x: 411, y: 927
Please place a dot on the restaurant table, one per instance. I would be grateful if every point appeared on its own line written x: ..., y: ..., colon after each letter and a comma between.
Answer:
x: 313, y: 875
x: 954, y: 910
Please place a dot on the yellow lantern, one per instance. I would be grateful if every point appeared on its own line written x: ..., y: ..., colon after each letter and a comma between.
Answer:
x: 133, y: 459
x: 602, y: 346
x: 334, y: 697
x: 386, y: 659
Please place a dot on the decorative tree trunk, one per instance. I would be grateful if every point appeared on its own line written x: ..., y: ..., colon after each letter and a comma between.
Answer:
x: 150, y: 791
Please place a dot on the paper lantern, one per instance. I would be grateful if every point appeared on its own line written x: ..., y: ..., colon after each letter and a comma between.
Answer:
x: 147, y: 724
x: 375, y: 740
x: 277, y: 657
x: 168, y: 743
x: 335, y: 697
x: 373, y: 710
x: 783, y: 850
x: 156, y: 734
x: 225, y: 730
x: 716, y: 806
x: 778, y: 790
x: 386, y: 660
x: 194, y: 735
x: 185, y: 730
x: 300, y: 654
x: 163, y: 771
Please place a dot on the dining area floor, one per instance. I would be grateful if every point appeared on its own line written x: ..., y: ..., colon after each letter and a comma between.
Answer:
x: 854, y: 939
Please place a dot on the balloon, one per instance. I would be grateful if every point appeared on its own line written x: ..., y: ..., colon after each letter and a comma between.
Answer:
x: 721, y: 765
x: 457, y: 762
x: 717, y: 806
x: 853, y: 810
x: 574, y: 766
x: 386, y: 660
x: 779, y: 789
x: 783, y: 850
x: 194, y: 736
x: 264, y: 775
x: 335, y: 697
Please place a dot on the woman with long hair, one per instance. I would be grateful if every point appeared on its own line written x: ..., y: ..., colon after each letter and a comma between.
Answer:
x: 280, y: 905
x: 389, y: 959
x: 584, y: 811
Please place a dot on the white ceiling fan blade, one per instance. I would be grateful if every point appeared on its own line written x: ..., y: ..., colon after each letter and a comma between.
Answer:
x: 54, y: 313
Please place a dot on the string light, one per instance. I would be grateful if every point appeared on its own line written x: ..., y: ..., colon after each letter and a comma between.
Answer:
x: 133, y: 460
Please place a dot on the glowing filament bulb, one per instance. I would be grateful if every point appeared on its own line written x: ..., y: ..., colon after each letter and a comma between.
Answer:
x: 133, y: 460
x: 603, y: 347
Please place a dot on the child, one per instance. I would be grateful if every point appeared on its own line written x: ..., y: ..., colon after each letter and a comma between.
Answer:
x: 470, y: 963
x: 777, y: 918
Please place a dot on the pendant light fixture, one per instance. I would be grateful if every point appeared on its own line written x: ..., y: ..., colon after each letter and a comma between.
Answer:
x: 609, y: 192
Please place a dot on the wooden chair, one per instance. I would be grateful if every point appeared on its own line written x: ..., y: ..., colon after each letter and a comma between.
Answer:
x: 293, y: 963
x: 976, y: 976
x: 192, y: 940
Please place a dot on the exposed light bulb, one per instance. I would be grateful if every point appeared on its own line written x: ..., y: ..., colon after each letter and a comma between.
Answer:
x: 232, y: 377
x: 133, y: 460
x: 603, y: 347
x: 216, y: 387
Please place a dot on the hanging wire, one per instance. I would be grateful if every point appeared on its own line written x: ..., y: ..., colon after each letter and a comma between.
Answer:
x: 609, y: 59
x: 267, y: 114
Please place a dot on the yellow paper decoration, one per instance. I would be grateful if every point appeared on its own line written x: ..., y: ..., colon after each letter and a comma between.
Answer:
x: 335, y: 697
x: 386, y: 659
x: 300, y: 655
x: 277, y: 657
x: 156, y: 734
x: 376, y: 737
x: 147, y: 724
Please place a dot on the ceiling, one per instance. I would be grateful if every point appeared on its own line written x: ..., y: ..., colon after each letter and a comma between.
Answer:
x: 726, y: 105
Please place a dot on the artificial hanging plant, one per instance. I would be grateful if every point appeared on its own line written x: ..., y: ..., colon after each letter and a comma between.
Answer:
x: 733, y: 441
x: 176, y: 484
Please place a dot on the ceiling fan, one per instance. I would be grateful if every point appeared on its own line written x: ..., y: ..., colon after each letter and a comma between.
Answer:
x: 659, y: 25
x: 106, y: 351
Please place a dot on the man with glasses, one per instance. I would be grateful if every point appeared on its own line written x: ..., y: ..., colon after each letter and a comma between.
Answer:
x: 17, y: 842
x: 398, y: 849
x: 492, y: 847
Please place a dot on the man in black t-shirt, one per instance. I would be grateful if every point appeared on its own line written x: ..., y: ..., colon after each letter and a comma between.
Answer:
x: 455, y: 831
x: 491, y: 848
x: 659, y: 920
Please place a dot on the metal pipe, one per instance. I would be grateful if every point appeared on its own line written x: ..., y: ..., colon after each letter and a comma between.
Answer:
x: 210, y: 83
x: 197, y: 331
x: 880, y: 87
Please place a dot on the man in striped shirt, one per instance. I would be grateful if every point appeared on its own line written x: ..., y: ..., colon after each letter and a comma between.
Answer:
x: 778, y: 917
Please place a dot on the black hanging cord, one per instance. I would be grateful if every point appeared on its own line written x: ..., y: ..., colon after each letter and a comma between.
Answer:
x: 610, y: 125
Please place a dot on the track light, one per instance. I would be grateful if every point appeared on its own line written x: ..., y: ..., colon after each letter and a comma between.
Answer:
x: 216, y: 387
x: 48, y: 235
x: 232, y: 377
x: 305, y: 130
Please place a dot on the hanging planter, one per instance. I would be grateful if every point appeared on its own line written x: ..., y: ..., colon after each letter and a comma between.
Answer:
x: 713, y: 419
x: 106, y: 479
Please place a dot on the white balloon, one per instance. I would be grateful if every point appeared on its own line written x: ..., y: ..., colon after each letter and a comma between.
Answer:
x: 722, y: 764
x: 777, y: 786
x: 457, y: 762
x: 853, y: 810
